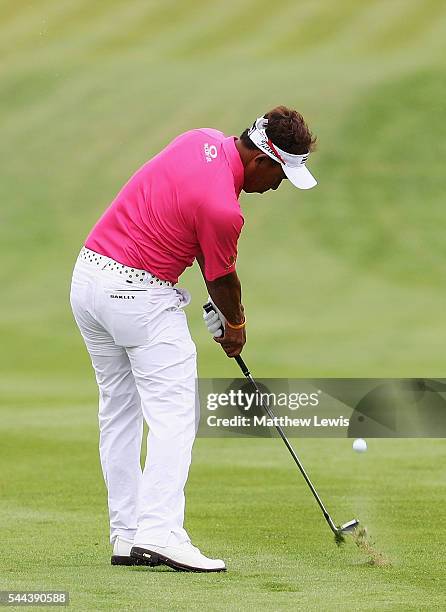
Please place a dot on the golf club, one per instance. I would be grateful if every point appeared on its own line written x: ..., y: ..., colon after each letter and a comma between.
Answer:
x: 345, y: 528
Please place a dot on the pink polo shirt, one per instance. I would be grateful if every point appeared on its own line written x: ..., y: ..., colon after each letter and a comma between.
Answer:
x: 179, y: 204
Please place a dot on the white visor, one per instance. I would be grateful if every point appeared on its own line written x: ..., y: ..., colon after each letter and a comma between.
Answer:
x: 293, y: 165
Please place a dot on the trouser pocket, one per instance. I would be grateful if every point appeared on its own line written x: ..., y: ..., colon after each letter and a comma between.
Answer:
x: 125, y: 316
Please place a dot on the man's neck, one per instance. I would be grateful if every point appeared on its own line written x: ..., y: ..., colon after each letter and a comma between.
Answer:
x: 246, y: 155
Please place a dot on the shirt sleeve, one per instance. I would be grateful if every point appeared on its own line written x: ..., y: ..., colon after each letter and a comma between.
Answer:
x: 218, y: 229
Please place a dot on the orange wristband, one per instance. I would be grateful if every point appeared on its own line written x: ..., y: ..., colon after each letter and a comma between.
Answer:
x: 239, y: 326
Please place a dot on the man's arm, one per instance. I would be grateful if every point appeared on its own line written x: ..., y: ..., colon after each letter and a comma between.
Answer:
x: 226, y: 293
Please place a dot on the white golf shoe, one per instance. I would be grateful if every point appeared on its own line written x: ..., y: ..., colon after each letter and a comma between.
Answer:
x: 184, y: 558
x: 121, y: 552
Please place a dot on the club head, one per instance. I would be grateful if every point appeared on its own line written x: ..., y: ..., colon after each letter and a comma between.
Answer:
x: 348, y: 527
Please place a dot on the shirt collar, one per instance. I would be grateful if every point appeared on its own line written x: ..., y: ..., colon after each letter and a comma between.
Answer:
x: 235, y: 163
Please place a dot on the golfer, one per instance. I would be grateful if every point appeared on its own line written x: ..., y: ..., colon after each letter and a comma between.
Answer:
x: 179, y: 207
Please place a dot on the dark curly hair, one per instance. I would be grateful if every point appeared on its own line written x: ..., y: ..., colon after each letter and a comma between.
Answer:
x: 287, y: 129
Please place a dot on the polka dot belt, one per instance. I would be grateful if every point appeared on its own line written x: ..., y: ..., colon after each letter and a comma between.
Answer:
x: 127, y: 274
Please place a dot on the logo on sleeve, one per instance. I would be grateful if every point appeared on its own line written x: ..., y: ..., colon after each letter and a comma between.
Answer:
x: 210, y: 152
x: 231, y: 261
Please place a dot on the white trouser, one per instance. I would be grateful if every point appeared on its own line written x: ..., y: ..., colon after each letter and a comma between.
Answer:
x: 145, y: 365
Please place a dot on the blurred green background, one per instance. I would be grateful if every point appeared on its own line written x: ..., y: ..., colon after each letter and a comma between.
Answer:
x: 344, y: 280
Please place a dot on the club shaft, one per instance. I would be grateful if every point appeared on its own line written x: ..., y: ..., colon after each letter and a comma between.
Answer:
x: 271, y: 414
x: 209, y: 307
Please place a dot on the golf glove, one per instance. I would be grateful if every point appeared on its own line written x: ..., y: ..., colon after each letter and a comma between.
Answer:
x: 214, y: 320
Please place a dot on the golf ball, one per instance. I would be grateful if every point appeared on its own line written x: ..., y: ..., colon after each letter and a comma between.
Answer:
x: 360, y: 445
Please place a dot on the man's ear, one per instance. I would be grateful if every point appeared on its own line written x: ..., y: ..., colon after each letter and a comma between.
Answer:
x: 262, y: 159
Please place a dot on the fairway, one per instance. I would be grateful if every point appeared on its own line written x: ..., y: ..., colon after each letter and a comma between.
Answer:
x: 346, y: 280
x: 246, y: 503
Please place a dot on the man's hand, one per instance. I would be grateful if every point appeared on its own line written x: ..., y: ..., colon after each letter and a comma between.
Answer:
x: 214, y: 320
x: 226, y: 292
x: 233, y: 341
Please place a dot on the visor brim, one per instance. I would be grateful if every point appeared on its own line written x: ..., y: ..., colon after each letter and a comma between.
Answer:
x: 300, y: 177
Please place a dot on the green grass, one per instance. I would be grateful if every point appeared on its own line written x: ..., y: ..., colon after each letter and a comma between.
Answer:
x: 246, y: 503
x: 346, y: 280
